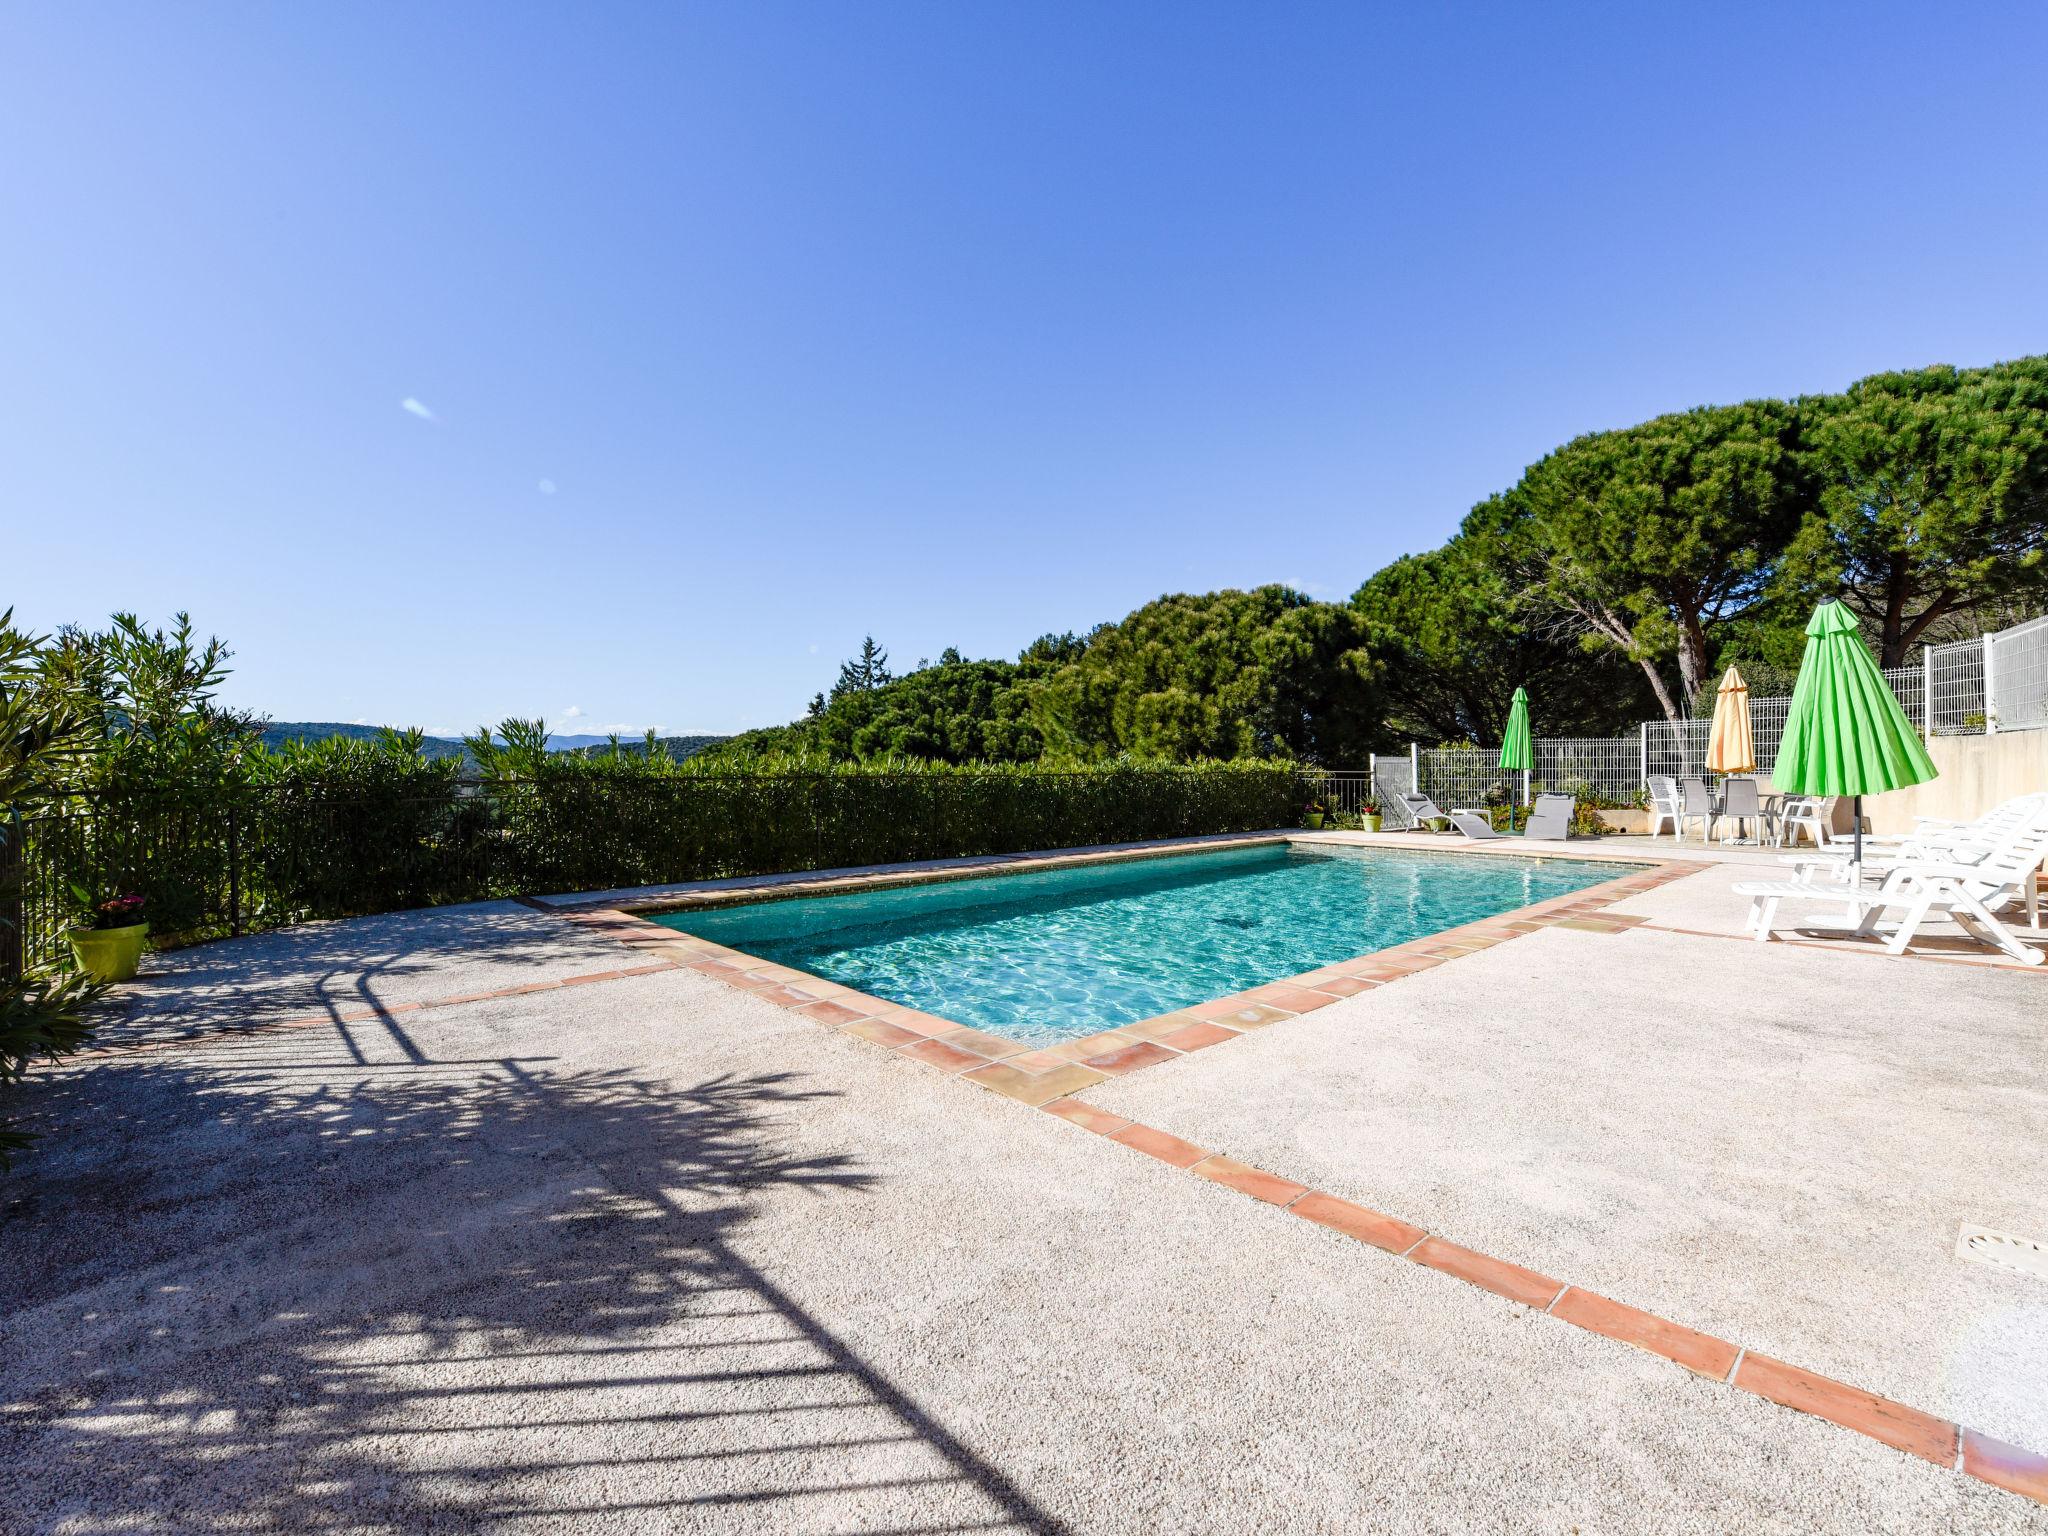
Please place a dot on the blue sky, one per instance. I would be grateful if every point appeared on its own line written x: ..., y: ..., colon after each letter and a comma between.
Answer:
x: 735, y: 332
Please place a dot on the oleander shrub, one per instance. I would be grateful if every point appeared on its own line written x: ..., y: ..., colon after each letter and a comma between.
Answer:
x: 341, y: 827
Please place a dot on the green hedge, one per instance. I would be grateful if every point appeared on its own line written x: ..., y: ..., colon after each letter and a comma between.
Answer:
x: 308, y: 838
x: 578, y: 828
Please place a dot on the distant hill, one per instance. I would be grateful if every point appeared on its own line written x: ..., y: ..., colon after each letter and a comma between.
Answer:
x: 279, y: 732
x: 677, y: 747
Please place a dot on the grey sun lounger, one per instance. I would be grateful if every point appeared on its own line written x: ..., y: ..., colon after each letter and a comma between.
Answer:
x: 1422, y: 810
x: 1550, y: 820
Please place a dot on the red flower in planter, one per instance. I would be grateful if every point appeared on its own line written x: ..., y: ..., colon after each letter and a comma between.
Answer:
x: 119, y: 912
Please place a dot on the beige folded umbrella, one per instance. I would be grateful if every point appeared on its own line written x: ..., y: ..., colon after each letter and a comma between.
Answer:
x: 1732, y: 746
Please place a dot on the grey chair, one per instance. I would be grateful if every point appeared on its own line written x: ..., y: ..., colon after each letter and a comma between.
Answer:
x: 1741, y: 801
x: 1475, y: 826
x: 1422, y: 812
x: 1550, y: 819
x: 1472, y: 823
x: 1696, y: 803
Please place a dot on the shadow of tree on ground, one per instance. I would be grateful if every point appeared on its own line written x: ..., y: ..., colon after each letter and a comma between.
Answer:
x: 439, y: 1296
x: 329, y: 968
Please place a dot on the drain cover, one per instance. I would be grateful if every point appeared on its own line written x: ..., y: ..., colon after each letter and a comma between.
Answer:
x: 2001, y: 1250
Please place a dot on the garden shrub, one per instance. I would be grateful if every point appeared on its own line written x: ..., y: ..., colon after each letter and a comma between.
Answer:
x: 345, y: 828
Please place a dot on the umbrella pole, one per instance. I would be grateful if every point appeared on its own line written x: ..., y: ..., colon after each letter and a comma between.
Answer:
x: 1856, y: 812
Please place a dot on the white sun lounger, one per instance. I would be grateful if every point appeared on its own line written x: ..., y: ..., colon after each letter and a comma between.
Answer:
x: 1970, y: 893
x: 1960, y: 842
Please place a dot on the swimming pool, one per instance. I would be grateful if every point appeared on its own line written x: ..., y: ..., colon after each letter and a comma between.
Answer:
x: 1057, y: 954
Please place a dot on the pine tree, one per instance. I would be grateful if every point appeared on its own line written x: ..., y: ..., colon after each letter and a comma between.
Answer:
x: 866, y: 672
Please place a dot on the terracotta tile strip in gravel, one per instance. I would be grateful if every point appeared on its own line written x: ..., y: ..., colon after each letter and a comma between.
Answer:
x: 1905, y: 1429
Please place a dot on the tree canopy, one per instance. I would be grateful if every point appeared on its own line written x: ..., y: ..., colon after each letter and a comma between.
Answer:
x: 1224, y: 675
x: 1457, y: 635
x: 955, y: 712
x: 1264, y: 673
x: 865, y: 672
x: 1654, y: 538
x: 1933, y: 498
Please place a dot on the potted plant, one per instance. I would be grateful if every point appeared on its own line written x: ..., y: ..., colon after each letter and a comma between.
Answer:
x: 109, y: 942
x: 1315, y: 816
x: 1369, y: 816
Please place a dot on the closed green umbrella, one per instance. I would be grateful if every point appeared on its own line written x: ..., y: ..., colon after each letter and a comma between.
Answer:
x: 1845, y: 733
x: 1515, y: 748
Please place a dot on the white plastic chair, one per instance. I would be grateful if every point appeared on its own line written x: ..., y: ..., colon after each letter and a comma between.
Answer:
x: 1805, y: 813
x: 1664, y: 804
x: 1934, y: 841
x: 1960, y: 842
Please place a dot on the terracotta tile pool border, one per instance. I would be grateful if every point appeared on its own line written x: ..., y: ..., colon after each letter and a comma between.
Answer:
x: 1036, y: 1075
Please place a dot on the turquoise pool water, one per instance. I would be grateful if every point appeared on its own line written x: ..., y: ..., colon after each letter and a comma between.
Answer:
x: 1056, y: 954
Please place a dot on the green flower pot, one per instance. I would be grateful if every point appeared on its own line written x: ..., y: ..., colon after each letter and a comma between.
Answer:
x: 110, y: 954
x: 1369, y: 823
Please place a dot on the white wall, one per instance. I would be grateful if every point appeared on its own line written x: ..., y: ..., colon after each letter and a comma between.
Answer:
x: 1977, y: 773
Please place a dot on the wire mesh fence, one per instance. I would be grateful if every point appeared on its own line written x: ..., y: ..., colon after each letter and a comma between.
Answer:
x: 1953, y: 689
x: 1393, y: 777
x: 2016, y: 678
x: 1949, y: 691
x: 1605, y: 769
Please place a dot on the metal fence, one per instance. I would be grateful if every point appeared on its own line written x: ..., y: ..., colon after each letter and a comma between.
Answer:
x: 1964, y: 687
x: 213, y: 867
x: 217, y: 861
x: 2016, y: 678
x: 261, y: 857
x: 1953, y: 689
x: 1678, y: 749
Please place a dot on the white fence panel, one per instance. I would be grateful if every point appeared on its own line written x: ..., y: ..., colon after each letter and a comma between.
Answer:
x: 1955, y: 675
x: 2017, y: 691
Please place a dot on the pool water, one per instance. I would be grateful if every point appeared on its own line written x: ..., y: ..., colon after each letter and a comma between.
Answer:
x: 1056, y: 954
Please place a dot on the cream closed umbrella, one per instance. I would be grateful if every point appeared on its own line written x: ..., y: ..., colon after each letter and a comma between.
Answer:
x: 1731, y: 748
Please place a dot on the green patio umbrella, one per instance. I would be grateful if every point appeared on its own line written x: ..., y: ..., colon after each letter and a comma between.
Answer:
x: 1845, y: 733
x: 1515, y: 748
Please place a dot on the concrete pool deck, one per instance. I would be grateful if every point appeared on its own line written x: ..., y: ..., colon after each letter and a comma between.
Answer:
x: 648, y: 1251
